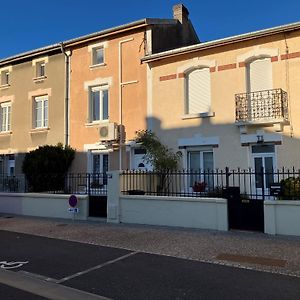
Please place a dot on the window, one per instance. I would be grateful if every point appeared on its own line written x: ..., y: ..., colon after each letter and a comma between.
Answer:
x: 5, y: 77
x: 198, y: 95
x: 5, y: 111
x: 97, y: 56
x: 40, y: 69
x: 41, y: 112
x: 98, y: 103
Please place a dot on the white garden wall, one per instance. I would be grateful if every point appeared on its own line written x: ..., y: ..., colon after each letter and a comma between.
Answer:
x: 42, y: 205
x: 282, y: 217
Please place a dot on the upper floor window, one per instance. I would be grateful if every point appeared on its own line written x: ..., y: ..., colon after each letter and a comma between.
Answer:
x: 97, y: 56
x: 41, y: 112
x: 198, y: 91
x: 5, y: 112
x: 259, y: 75
x: 40, y: 69
x: 98, y: 103
x: 5, y: 77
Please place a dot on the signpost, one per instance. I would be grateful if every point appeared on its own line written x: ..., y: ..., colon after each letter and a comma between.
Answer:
x: 73, y: 202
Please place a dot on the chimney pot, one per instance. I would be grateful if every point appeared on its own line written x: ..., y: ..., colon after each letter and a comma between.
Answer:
x: 181, y: 13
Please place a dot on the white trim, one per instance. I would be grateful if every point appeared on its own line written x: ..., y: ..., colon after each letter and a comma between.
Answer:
x: 198, y: 140
x: 44, y: 59
x: 149, y: 98
x: 7, y: 68
x: 268, y: 138
x: 195, y: 63
x: 97, y: 81
x: 199, y: 115
x: 257, y: 52
x: 97, y: 45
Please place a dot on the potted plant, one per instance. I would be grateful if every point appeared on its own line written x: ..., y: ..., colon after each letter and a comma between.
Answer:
x: 199, y: 186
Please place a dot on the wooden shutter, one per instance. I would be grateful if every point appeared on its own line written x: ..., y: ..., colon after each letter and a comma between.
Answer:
x: 198, y: 91
x: 259, y: 75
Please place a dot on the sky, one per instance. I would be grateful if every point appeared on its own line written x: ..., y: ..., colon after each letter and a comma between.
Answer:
x: 30, y: 24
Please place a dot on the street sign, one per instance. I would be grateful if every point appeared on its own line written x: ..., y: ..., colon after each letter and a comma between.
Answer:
x: 74, y: 210
x: 73, y: 200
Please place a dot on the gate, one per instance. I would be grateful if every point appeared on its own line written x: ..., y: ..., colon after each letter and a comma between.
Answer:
x: 244, y: 213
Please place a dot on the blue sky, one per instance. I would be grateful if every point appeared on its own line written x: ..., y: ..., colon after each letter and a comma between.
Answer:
x: 31, y: 24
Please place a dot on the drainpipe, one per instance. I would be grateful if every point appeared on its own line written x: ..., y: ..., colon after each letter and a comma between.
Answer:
x: 121, y: 84
x: 67, y: 55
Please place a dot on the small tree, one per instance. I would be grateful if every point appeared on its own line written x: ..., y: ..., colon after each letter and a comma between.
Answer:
x: 162, y: 158
x: 46, y: 167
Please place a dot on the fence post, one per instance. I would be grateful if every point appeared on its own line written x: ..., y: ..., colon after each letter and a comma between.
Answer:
x: 113, y: 196
x: 89, y: 184
x: 262, y: 182
x: 227, y: 177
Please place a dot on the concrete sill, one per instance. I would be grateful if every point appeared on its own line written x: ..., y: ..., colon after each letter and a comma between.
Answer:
x: 5, y: 133
x: 97, y: 66
x: 96, y: 123
x: 4, y: 86
x: 39, y: 130
x: 39, y: 79
x: 200, y: 115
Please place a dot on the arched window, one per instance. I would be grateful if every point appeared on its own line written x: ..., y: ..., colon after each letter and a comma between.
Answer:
x: 198, y: 94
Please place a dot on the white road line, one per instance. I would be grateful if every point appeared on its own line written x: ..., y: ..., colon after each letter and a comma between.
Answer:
x: 96, y: 267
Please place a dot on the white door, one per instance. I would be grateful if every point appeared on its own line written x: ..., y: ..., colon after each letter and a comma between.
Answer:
x: 263, y: 160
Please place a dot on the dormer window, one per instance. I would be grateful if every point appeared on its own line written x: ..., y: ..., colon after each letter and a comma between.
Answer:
x: 98, y: 56
x: 97, y: 52
x: 40, y: 66
x: 40, y: 69
x: 5, y: 77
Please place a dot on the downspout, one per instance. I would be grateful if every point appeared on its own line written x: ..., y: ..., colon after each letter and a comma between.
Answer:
x: 67, y: 55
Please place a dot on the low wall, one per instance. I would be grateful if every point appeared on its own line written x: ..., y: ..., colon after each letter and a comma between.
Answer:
x: 282, y: 217
x: 42, y: 205
x: 205, y: 213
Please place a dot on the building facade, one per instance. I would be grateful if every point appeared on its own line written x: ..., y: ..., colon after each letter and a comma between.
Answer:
x: 231, y: 102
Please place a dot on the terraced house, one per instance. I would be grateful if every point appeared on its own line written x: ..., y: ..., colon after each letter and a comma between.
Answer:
x: 231, y: 102
x: 32, y: 104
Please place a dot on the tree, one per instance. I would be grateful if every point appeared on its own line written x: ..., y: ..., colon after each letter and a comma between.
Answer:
x: 46, y: 167
x: 160, y: 156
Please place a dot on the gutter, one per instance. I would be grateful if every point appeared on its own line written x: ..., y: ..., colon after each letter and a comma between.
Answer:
x: 67, y: 55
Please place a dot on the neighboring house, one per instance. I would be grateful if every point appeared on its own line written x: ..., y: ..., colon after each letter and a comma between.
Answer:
x: 231, y: 102
x: 108, y: 88
x: 32, y: 104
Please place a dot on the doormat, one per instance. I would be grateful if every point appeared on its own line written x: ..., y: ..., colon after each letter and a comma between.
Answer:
x: 265, y: 261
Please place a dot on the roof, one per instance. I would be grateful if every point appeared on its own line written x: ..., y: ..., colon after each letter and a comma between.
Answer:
x: 82, y: 39
x: 223, y: 41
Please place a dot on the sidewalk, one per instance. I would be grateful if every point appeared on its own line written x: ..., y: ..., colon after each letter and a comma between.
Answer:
x: 276, y: 254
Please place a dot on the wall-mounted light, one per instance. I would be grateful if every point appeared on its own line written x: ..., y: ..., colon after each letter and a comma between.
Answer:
x: 260, y: 139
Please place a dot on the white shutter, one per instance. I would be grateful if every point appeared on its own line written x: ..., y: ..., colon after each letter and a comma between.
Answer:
x: 198, y: 91
x: 259, y: 75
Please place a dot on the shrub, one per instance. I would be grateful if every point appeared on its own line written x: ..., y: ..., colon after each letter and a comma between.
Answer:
x: 290, y: 188
x: 46, y: 167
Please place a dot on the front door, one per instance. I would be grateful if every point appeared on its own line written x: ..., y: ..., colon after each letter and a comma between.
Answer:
x: 263, y: 160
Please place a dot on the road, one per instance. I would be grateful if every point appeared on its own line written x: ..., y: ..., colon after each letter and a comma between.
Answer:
x: 58, y: 269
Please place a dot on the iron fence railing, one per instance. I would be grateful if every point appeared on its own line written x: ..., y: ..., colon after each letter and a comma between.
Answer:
x: 267, y: 105
x: 258, y: 184
x: 77, y: 183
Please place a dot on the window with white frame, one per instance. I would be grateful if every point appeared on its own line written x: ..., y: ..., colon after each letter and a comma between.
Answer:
x: 5, y: 77
x: 97, y: 56
x: 41, y: 112
x: 198, y: 91
x: 98, y: 106
x: 5, y: 119
x: 40, y: 69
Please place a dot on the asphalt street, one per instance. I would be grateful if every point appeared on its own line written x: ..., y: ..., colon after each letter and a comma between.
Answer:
x: 121, y: 274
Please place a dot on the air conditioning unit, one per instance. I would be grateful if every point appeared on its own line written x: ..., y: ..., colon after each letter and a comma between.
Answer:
x: 109, y: 132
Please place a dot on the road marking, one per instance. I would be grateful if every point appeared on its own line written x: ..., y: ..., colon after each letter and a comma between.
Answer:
x: 43, y: 288
x: 12, y: 264
x: 97, y: 267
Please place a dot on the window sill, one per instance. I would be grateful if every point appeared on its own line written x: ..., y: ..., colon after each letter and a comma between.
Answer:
x: 97, y: 66
x: 96, y: 123
x: 5, y: 133
x: 39, y: 130
x: 39, y: 79
x: 4, y: 86
x: 200, y: 115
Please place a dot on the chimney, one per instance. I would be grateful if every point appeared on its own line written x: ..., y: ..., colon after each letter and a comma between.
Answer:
x: 181, y: 13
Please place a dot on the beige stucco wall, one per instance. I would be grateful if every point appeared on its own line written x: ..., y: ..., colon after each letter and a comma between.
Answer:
x: 167, y: 99
x: 21, y: 91
x: 134, y: 94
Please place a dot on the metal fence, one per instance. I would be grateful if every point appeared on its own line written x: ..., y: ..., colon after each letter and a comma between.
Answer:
x: 253, y: 184
x: 79, y: 183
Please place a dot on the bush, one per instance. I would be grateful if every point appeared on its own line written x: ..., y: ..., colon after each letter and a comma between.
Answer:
x: 46, y: 167
x: 290, y: 188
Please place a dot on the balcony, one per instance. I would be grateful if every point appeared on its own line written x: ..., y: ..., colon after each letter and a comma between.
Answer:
x: 261, y: 108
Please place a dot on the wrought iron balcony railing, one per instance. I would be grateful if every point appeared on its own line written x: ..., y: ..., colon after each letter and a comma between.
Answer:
x: 262, y: 106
